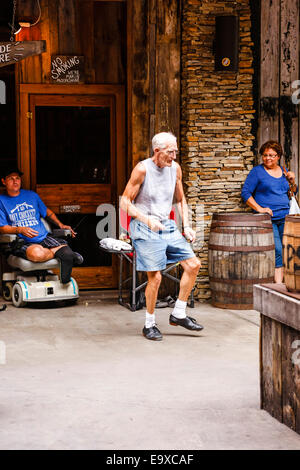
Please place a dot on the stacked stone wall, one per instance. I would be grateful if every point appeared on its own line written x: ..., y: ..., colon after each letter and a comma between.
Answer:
x: 217, y: 114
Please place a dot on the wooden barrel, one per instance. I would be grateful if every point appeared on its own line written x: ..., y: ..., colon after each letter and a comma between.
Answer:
x: 241, y: 253
x: 291, y: 252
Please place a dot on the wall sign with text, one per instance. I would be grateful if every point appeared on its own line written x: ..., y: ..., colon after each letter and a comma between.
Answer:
x: 12, y: 52
x: 67, y: 69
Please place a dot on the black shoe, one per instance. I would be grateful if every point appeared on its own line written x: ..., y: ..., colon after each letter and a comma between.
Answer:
x: 152, y: 333
x: 78, y: 259
x: 187, y: 322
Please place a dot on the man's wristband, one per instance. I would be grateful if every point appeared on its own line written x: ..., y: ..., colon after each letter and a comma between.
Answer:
x: 17, y: 230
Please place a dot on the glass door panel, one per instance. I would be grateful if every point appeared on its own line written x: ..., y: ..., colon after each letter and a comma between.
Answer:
x: 73, y: 145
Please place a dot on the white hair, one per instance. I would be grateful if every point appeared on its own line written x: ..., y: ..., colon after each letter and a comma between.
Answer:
x: 162, y: 139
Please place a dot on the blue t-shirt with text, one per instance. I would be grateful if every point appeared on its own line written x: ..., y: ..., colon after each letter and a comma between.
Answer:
x: 24, y: 210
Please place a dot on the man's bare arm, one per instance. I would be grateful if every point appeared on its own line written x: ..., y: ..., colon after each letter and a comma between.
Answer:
x: 54, y: 219
x: 14, y: 230
x: 9, y: 229
x: 262, y: 210
x: 183, y: 207
x: 180, y: 198
x: 131, y: 191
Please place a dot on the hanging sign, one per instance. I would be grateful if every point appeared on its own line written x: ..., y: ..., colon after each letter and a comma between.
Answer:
x: 12, y: 52
x: 67, y: 69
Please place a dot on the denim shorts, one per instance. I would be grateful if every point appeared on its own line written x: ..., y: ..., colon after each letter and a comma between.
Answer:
x: 154, y: 250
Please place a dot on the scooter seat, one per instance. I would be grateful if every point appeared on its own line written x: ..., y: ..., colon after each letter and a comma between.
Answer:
x: 26, y: 265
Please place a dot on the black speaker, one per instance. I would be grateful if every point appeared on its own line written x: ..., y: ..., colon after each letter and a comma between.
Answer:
x: 227, y: 43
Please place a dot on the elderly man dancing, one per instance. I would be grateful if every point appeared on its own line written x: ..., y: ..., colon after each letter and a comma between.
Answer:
x: 148, y: 197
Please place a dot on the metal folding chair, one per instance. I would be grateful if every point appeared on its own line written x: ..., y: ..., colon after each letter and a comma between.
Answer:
x: 130, y: 256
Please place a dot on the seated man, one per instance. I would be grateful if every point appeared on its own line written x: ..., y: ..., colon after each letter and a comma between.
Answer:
x: 20, y: 213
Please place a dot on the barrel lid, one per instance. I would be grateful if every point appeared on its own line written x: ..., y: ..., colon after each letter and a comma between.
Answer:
x: 293, y: 218
x: 240, y: 216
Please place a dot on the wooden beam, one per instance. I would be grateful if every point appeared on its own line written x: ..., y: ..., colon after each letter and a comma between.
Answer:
x: 269, y: 75
x: 67, y: 27
x: 167, y: 90
x: 289, y: 72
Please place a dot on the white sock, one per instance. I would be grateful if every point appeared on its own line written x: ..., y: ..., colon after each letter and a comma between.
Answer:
x: 179, y: 309
x: 150, y: 320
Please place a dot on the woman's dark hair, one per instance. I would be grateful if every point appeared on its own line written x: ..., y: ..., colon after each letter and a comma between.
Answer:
x: 272, y: 144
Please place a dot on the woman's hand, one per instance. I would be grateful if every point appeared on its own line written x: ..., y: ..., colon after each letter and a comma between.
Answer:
x: 291, y: 177
x: 265, y: 210
x: 261, y: 210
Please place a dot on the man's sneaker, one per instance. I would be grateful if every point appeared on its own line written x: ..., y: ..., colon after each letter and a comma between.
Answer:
x: 187, y: 322
x: 152, y: 333
x: 78, y: 259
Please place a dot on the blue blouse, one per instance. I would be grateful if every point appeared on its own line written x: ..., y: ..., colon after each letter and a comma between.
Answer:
x: 268, y: 191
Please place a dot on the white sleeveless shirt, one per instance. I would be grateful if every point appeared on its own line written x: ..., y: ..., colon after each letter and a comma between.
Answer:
x: 156, y: 194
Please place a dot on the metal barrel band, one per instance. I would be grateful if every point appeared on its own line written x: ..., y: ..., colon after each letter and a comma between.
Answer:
x: 242, y: 249
x: 241, y: 231
x: 241, y: 281
x: 233, y: 295
x: 248, y: 306
x: 241, y: 224
x: 239, y: 216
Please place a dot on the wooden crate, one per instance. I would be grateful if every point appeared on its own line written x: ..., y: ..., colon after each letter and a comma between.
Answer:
x: 279, y: 353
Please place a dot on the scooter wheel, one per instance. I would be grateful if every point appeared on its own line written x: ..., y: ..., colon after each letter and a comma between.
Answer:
x: 17, y: 296
x: 7, y: 288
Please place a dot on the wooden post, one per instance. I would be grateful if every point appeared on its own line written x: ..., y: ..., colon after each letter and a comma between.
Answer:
x: 289, y: 71
x: 155, y: 72
x: 269, y: 83
x: 140, y: 81
x: 167, y: 106
x: 67, y: 27
x: 279, y: 116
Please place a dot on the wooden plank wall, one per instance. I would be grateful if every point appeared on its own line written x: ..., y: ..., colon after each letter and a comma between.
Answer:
x: 151, y: 63
x: 279, y: 117
x: 155, y: 74
x: 280, y: 372
x: 94, y: 29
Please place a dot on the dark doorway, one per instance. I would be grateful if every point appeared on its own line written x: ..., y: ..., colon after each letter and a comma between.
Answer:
x: 8, y: 135
x: 73, y: 145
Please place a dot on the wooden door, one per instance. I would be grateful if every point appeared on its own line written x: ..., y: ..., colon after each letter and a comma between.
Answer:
x: 72, y: 152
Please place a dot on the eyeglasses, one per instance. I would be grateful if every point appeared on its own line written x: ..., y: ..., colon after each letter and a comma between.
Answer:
x: 265, y: 155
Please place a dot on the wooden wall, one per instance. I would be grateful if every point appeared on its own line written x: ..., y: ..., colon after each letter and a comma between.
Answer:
x: 133, y: 42
x: 154, y: 72
x: 279, y: 117
x: 94, y: 29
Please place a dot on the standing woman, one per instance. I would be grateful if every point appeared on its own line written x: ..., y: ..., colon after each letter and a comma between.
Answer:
x: 266, y: 191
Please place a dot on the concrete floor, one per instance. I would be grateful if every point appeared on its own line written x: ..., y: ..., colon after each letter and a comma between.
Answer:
x: 83, y: 377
